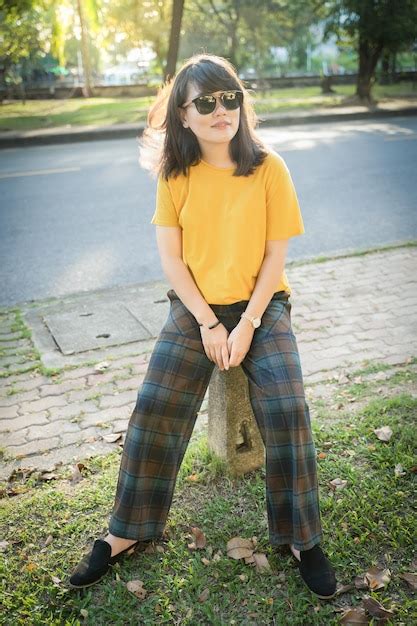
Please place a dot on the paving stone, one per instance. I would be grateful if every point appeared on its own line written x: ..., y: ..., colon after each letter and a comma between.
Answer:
x: 25, y: 382
x: 52, y: 429
x: 9, y: 336
x: 75, y: 373
x: 13, y: 438
x: 57, y: 389
x: 88, y: 392
x: 42, y: 404
x: 33, y: 447
x: 6, y: 361
x: 126, y: 397
x: 7, y: 412
x: 128, y: 383
x: 23, y: 421
x: 17, y: 398
x: 107, y: 415
x: 72, y: 410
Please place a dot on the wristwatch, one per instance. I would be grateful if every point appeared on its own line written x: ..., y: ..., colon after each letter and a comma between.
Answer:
x: 255, y: 321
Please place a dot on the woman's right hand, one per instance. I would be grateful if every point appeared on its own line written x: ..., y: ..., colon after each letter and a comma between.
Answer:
x: 215, y: 345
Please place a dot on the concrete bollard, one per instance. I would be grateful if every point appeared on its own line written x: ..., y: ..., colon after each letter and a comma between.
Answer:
x: 233, y: 433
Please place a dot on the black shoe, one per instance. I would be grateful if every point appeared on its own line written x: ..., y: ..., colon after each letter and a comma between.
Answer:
x: 94, y: 565
x: 318, y: 573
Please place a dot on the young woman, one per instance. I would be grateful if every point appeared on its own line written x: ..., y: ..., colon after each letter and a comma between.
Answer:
x: 226, y: 207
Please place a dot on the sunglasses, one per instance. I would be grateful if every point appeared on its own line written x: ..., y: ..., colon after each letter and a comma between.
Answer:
x: 206, y: 104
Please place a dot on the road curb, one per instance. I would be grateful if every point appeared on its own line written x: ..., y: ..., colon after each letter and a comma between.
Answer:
x: 132, y: 131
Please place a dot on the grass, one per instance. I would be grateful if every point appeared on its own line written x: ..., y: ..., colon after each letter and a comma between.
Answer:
x: 369, y: 522
x: 36, y: 114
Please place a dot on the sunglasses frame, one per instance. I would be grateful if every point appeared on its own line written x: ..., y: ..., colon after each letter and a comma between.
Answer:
x: 217, y: 99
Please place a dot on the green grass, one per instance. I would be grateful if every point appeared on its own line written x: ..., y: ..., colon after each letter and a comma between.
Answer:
x: 37, y: 114
x: 369, y: 522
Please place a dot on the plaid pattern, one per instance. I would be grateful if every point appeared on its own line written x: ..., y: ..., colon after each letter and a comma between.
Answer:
x: 166, y: 410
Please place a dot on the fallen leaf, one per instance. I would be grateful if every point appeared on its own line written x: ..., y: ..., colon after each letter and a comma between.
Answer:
x: 3, y: 545
x: 111, y: 437
x: 338, y: 483
x: 243, y: 577
x: 377, y: 578
x: 375, y: 608
x: 360, y: 582
x: 354, y: 615
x: 48, y: 476
x: 239, y: 548
x: 48, y: 540
x: 204, y: 595
x: 205, y: 561
x: 199, y: 538
x: 31, y: 567
x: 384, y: 433
x: 344, y: 589
x: 76, y: 473
x: 322, y: 455
x: 100, y: 367
x: 193, y: 477
x: 84, y: 613
x: 136, y: 587
x: 56, y: 580
x: 399, y: 470
x: 410, y: 578
x: 261, y: 562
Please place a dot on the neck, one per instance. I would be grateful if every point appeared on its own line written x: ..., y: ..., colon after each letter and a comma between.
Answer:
x: 217, y: 155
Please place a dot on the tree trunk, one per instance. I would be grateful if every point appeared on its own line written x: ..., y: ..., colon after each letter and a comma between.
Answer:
x: 368, y: 58
x: 85, y: 53
x: 174, y: 38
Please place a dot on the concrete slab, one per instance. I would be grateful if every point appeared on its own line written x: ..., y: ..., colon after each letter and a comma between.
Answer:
x: 97, y: 325
x: 88, y: 327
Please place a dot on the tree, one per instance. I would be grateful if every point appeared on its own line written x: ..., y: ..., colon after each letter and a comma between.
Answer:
x: 174, y: 39
x: 373, y: 26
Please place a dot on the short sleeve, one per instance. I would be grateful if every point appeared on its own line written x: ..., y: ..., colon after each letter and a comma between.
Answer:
x: 283, y: 213
x: 165, y: 213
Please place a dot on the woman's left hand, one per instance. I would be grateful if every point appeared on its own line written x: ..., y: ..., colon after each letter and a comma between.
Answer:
x: 239, y: 341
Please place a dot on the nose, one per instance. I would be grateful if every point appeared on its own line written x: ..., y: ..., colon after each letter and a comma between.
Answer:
x: 219, y: 104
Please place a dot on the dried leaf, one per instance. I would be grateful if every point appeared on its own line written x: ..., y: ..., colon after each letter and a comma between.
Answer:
x: 199, y: 539
x: 205, y: 561
x: 204, y: 595
x: 100, y: 367
x: 56, y: 580
x: 3, y: 545
x: 354, y: 615
x: 243, y: 577
x: 84, y: 613
x: 360, y: 582
x: 261, y: 562
x: 375, y: 608
x: 136, y: 587
x: 111, y: 437
x: 194, y: 478
x: 322, y: 455
x: 377, y: 578
x: 410, y: 578
x: 344, y: 589
x: 384, y: 433
x: 239, y: 548
x: 48, y: 476
x: 76, y: 473
x: 399, y: 470
x: 338, y: 483
x: 48, y: 540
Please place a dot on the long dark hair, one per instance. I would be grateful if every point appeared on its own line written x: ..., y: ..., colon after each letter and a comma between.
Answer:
x: 169, y: 149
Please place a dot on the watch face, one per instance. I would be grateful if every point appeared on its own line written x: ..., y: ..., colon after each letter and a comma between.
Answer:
x: 256, y: 322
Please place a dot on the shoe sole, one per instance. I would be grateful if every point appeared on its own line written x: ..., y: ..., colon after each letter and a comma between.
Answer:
x: 89, y: 584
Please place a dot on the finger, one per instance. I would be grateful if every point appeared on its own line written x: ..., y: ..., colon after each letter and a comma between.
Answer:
x: 219, y: 358
x: 225, y: 354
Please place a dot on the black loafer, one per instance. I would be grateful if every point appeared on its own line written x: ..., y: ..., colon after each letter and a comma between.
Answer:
x: 94, y: 565
x: 317, y: 573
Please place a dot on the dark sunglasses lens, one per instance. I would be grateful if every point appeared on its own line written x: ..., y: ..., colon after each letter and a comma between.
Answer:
x: 205, y: 104
x: 231, y: 100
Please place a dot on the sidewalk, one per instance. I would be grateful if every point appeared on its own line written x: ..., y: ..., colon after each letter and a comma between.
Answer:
x: 67, y: 134
x: 348, y: 312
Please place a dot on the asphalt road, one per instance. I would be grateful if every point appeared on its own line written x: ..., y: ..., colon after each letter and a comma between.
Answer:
x: 76, y: 217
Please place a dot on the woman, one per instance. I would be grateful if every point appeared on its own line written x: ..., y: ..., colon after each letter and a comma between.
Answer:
x: 226, y: 207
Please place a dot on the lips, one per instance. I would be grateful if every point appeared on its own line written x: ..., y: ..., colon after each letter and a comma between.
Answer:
x: 221, y: 125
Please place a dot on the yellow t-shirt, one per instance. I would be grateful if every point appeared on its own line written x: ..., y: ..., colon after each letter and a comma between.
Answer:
x: 225, y: 221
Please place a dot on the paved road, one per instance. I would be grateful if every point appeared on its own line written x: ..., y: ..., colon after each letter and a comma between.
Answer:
x: 76, y: 217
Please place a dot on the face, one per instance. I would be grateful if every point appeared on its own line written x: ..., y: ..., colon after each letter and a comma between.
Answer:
x: 220, y: 126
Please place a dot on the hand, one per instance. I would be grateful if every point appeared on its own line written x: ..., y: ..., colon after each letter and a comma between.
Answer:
x: 239, y: 342
x: 215, y: 345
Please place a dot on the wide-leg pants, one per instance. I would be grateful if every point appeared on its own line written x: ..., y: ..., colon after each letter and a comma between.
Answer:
x: 166, y: 409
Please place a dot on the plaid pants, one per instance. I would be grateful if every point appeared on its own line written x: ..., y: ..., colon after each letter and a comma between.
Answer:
x: 166, y: 409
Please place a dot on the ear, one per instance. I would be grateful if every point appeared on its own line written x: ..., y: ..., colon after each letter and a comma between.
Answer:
x: 182, y: 117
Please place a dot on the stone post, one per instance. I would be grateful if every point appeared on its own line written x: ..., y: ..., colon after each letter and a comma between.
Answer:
x: 233, y: 433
